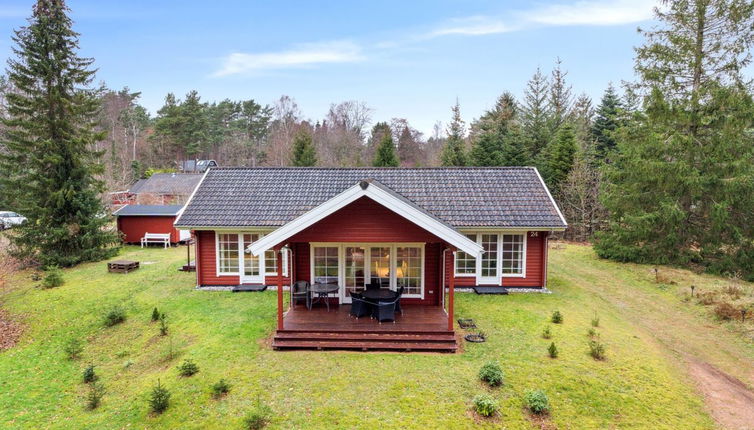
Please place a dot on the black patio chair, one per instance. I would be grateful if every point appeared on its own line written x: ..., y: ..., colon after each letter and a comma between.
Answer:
x: 359, y: 306
x: 398, y: 295
x: 301, y: 291
x: 385, y: 311
x: 374, y: 285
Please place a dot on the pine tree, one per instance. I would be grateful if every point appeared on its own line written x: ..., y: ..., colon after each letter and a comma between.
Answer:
x: 385, y: 155
x: 304, y: 153
x: 680, y: 190
x: 49, y: 163
x: 194, y: 134
x: 454, y: 153
x: 559, y: 157
x: 606, y: 123
x: 535, y: 113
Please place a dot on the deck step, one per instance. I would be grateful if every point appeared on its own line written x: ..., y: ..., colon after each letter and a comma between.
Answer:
x: 365, y: 345
x: 391, y: 337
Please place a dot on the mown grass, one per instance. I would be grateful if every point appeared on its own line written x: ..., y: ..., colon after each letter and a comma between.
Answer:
x: 227, y: 335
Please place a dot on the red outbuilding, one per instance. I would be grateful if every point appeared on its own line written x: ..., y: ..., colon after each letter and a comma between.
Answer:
x: 134, y: 221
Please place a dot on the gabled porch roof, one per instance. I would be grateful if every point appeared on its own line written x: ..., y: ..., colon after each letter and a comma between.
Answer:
x: 382, y: 195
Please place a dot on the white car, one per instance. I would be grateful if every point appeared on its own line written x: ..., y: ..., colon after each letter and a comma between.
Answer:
x: 9, y: 219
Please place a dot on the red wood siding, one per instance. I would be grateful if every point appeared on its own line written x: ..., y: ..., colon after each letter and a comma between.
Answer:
x: 133, y: 228
x: 536, y: 262
x: 364, y: 221
x: 207, y: 270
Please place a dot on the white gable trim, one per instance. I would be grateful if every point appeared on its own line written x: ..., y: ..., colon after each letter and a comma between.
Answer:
x: 395, y: 204
x: 552, y: 200
x: 191, y: 197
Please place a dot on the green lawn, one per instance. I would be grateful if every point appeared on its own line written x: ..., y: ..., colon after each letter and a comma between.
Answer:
x: 640, y: 385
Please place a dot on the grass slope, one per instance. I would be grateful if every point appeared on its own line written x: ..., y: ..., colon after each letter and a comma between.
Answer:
x: 638, y: 386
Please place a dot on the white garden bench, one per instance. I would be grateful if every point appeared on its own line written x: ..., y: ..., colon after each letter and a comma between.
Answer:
x: 163, y: 238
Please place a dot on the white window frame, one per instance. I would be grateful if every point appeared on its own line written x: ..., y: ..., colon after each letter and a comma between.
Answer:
x: 367, y: 261
x: 263, y: 273
x: 525, y: 241
x: 285, y: 264
x: 217, y: 254
x: 478, y: 270
x: 456, y: 273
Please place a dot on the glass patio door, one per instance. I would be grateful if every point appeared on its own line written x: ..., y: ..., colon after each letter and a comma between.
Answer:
x: 380, y: 265
x: 354, y: 272
x: 252, y: 272
x: 488, y: 273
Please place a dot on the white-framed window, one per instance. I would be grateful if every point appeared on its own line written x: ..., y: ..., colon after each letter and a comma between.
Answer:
x: 233, y: 259
x: 504, y: 255
x: 270, y: 262
x: 513, y: 254
x: 466, y: 263
x: 408, y: 269
x: 227, y: 250
x: 325, y: 261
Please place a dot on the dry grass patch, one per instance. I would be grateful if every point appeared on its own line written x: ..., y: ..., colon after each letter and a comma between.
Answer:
x: 10, y: 331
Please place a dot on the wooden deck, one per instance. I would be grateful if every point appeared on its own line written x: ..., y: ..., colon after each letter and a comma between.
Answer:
x: 420, y: 328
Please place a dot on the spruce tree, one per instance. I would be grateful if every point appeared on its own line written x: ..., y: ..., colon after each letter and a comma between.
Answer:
x: 304, y: 153
x: 535, y: 113
x: 454, y: 153
x: 606, y: 123
x: 487, y: 149
x: 385, y: 155
x: 558, y: 158
x: 680, y: 190
x: 498, y: 140
x: 49, y: 164
x: 515, y: 151
x: 560, y: 100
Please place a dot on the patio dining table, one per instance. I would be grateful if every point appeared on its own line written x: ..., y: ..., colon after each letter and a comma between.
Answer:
x: 378, y: 294
x: 323, y: 291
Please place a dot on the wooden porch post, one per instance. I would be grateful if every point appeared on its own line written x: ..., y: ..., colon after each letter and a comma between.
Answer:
x: 451, y: 290
x: 279, y: 256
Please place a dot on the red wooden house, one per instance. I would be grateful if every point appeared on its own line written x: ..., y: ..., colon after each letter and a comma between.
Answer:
x: 428, y: 230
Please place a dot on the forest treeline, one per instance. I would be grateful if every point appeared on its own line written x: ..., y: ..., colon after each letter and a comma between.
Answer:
x: 659, y: 169
x: 565, y: 136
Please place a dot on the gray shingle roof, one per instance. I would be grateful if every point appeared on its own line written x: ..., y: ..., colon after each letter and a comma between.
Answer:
x: 506, y: 197
x: 177, y: 184
x: 148, y: 210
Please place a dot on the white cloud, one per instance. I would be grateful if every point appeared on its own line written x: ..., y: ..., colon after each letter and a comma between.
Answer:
x: 302, y: 56
x: 583, y: 12
x: 472, y: 26
x: 615, y: 12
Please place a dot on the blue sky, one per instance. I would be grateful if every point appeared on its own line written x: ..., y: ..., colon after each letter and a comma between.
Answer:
x: 407, y: 58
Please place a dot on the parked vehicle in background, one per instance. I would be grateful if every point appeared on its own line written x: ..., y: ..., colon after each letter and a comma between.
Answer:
x: 9, y: 219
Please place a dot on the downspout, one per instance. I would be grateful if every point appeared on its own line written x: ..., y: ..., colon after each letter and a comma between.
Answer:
x: 547, y: 260
x: 442, y: 283
x: 196, y: 259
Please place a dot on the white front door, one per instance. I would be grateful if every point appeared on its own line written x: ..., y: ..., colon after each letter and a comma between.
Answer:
x: 252, y: 267
x: 488, y: 264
